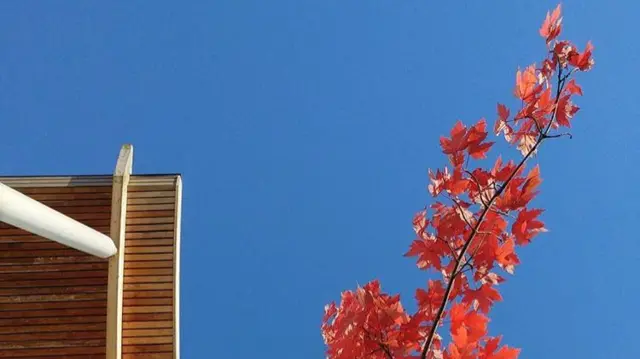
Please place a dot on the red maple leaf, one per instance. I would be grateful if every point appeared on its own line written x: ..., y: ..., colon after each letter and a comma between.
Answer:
x: 482, y: 298
x: 552, y: 25
x: 501, y: 124
x: 526, y: 226
x: 566, y: 110
x: 526, y: 83
x: 502, y: 173
x: 506, y: 257
x: 478, y: 133
x: 420, y: 223
x: 583, y: 61
x: 531, y: 183
x: 428, y: 251
x: 489, y: 350
x: 430, y: 299
x: 458, y: 140
x: 573, y: 88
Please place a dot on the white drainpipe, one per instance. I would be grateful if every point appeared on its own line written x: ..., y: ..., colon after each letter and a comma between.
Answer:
x: 30, y: 215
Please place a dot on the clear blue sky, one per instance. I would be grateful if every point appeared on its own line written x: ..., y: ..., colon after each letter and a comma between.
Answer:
x: 304, y: 130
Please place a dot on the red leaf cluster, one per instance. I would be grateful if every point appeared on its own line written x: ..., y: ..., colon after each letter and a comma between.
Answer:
x: 468, y: 236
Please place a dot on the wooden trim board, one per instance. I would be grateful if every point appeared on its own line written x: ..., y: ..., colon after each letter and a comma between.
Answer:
x: 115, y: 292
x: 176, y: 269
x: 40, y: 182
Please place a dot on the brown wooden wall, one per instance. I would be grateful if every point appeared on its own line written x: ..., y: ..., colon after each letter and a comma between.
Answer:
x: 148, y: 320
x: 53, y: 299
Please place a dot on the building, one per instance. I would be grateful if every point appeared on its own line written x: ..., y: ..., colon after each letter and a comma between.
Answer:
x: 92, y: 269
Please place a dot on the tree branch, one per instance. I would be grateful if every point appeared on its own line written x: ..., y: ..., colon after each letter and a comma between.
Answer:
x: 544, y: 135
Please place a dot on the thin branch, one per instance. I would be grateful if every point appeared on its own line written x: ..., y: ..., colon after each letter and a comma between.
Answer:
x: 486, y: 233
x: 560, y: 135
x: 374, y: 351
x: 494, y: 210
x: 480, y: 188
x: 536, y: 122
x: 464, y: 218
x: 453, y: 252
x: 386, y: 350
x: 382, y: 346
x: 429, y: 340
x: 467, y: 263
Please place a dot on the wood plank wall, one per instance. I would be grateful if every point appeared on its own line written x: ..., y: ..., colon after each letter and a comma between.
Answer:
x: 53, y: 299
x: 148, y: 319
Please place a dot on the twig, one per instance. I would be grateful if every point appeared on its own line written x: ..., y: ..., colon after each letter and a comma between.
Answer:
x: 386, y: 350
x: 481, y: 189
x: 382, y: 346
x: 560, y: 135
x: 464, y: 217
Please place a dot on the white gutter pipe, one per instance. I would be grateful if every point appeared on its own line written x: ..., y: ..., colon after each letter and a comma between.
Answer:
x: 30, y: 215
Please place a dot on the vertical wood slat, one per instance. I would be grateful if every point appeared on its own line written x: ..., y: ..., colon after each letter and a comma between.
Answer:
x: 115, y: 286
x: 176, y: 269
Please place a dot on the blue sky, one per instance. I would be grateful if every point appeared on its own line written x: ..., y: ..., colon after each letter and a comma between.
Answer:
x: 304, y: 130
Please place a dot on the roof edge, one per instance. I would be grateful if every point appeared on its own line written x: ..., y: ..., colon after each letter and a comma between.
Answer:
x: 86, y: 180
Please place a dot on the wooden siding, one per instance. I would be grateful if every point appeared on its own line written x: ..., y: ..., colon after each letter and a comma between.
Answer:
x: 148, y: 325
x: 53, y: 299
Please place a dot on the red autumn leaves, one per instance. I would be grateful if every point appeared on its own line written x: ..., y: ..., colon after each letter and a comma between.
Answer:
x: 468, y: 327
x: 470, y: 140
x: 540, y: 102
x: 552, y: 25
x: 468, y: 236
x: 368, y: 324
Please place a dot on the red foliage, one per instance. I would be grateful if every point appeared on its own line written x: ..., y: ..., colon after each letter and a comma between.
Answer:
x: 478, y: 219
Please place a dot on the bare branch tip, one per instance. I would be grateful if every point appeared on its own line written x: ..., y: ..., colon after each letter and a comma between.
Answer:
x: 565, y: 134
